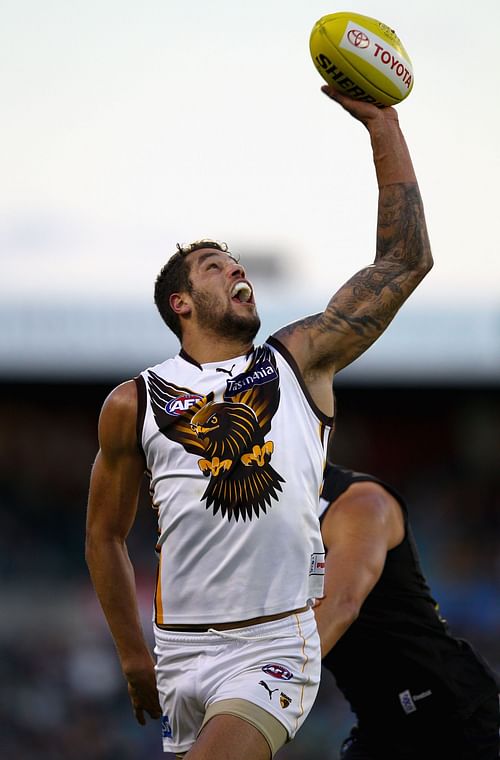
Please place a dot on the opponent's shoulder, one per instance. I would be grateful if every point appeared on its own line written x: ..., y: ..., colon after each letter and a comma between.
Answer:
x: 366, y: 505
x: 337, y: 478
x: 370, y: 493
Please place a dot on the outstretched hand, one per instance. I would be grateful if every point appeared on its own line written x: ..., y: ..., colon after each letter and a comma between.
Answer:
x: 363, y: 112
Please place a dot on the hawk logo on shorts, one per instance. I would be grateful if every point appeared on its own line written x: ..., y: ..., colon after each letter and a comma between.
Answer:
x: 285, y: 700
x: 276, y: 670
x: 229, y: 437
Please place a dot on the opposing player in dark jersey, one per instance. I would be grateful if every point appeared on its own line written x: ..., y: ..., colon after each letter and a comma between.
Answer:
x: 418, y: 692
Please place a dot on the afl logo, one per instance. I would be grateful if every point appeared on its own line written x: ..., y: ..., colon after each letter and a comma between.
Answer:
x: 358, y: 39
x: 276, y: 670
x: 181, y: 404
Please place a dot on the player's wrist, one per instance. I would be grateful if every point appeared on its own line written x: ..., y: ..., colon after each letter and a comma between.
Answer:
x: 391, y: 157
x: 135, y: 661
x: 384, y: 126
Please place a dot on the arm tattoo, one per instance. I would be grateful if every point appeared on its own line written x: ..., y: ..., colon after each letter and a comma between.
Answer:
x: 365, y: 305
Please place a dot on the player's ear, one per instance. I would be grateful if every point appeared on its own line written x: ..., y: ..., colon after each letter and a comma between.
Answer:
x: 180, y: 303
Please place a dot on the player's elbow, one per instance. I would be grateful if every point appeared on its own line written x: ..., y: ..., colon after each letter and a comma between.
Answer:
x: 349, y: 611
x: 334, y: 620
x: 91, y: 549
x: 416, y: 269
x: 96, y: 546
x: 427, y: 262
x: 422, y: 262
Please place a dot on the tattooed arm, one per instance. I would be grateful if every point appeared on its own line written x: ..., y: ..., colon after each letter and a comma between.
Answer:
x: 364, y: 306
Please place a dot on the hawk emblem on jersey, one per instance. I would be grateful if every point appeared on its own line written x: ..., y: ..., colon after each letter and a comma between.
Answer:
x: 228, y: 436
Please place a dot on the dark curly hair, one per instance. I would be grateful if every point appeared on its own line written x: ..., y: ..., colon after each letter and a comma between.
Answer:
x: 174, y: 278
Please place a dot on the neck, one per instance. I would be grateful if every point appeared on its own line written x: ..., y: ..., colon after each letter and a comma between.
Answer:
x: 212, y: 348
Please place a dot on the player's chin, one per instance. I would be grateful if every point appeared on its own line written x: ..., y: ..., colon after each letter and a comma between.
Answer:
x: 244, y: 325
x: 251, y: 314
x: 245, y: 312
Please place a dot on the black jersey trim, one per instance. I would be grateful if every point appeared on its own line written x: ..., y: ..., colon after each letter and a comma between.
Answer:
x: 184, y: 355
x: 141, y: 411
x: 331, y: 491
x: 287, y: 356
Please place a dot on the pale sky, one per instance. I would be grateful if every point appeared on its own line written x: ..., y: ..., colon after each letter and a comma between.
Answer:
x: 129, y: 126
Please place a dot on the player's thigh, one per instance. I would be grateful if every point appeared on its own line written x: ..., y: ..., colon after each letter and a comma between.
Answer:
x: 226, y: 737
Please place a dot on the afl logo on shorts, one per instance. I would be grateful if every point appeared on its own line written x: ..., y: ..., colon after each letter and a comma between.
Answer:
x: 166, y: 729
x: 276, y: 670
x: 181, y: 404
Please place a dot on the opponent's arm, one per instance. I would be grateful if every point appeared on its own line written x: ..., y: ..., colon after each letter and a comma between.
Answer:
x: 112, y: 506
x: 358, y: 530
x: 360, y: 311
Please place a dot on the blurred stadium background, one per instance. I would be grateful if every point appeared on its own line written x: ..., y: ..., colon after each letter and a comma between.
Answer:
x: 421, y: 408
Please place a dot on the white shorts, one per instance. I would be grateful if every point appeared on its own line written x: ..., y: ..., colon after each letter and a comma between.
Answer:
x: 275, y: 666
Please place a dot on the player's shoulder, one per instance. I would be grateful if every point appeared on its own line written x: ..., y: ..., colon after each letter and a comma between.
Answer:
x: 121, y: 396
x: 118, y: 417
x: 120, y: 405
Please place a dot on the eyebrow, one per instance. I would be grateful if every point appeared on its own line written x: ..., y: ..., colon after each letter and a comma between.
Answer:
x: 204, y: 256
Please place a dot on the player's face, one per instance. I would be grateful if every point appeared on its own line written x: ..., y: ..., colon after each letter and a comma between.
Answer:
x: 222, y: 296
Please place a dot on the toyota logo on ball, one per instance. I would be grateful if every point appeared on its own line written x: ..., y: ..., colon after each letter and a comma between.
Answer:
x: 358, y: 39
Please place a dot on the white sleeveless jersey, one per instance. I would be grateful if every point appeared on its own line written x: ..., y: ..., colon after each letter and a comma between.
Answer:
x: 235, y: 451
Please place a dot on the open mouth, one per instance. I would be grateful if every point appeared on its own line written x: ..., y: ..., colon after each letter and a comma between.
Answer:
x: 242, y: 292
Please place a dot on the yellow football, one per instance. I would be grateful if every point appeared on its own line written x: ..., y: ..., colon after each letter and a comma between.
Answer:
x: 361, y: 57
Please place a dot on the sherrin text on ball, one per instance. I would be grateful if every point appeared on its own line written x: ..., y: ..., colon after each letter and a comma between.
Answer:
x: 361, y: 57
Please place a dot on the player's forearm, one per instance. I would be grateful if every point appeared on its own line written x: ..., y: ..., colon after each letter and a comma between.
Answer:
x: 402, y: 239
x: 114, y: 583
x: 333, y: 620
x: 401, y: 230
x: 393, y: 163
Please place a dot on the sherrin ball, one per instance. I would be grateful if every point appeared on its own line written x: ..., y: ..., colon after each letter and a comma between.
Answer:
x: 362, y: 58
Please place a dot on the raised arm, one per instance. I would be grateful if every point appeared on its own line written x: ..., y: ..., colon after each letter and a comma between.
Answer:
x: 358, y: 530
x: 114, y: 491
x: 365, y: 305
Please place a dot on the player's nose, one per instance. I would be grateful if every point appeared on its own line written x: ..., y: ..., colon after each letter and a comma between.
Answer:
x: 236, y: 271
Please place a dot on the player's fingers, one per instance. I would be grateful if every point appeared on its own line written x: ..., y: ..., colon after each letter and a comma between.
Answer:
x: 331, y: 92
x: 153, y: 707
x: 349, y: 104
x: 155, y: 712
x: 139, y: 714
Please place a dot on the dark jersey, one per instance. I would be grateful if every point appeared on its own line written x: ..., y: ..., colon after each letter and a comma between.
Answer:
x: 398, y: 664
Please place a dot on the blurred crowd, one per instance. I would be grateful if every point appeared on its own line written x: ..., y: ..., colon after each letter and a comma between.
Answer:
x: 62, y: 693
